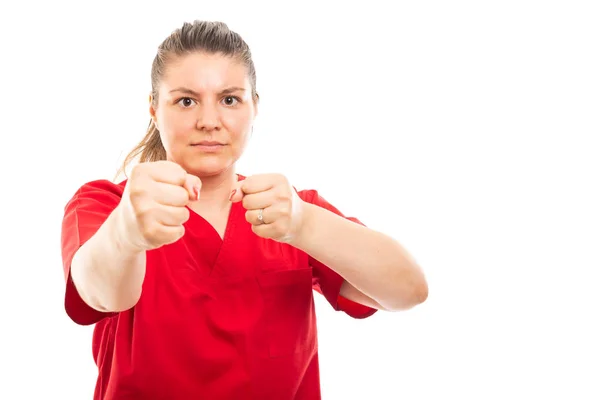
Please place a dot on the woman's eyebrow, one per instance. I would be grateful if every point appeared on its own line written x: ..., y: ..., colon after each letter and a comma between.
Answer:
x: 184, y: 90
x: 228, y: 90
x: 232, y: 90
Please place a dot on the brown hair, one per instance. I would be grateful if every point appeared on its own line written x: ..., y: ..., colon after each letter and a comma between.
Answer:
x: 198, y: 36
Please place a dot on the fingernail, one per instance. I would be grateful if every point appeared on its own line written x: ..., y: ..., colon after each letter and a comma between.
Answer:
x: 232, y: 194
x: 197, y: 192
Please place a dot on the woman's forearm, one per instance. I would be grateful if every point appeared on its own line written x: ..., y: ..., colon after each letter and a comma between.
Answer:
x: 107, y: 272
x: 372, y: 262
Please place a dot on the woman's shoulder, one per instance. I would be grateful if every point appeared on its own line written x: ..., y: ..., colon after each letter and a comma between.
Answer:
x: 103, y: 185
x: 101, y: 190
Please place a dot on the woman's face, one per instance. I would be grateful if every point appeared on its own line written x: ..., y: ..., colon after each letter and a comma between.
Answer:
x: 204, y: 112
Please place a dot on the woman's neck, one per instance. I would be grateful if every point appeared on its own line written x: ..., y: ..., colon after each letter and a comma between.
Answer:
x: 216, y: 190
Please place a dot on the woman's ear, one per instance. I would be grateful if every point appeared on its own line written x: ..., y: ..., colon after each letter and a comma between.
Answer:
x: 255, y: 100
x: 151, y: 109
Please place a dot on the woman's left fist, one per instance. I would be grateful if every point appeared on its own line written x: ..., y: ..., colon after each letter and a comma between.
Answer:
x: 272, y: 206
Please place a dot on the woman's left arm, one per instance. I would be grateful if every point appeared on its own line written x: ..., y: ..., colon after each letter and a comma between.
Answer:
x: 377, y: 271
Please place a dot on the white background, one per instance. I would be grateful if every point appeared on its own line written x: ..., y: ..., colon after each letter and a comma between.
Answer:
x: 466, y: 130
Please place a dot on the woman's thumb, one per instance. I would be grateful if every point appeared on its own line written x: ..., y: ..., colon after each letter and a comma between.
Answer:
x: 236, y: 192
x: 193, y: 184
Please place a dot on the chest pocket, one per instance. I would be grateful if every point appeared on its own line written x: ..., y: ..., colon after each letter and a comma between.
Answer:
x: 289, y: 311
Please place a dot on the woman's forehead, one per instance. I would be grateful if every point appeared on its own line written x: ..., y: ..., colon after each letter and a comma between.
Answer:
x: 205, y: 72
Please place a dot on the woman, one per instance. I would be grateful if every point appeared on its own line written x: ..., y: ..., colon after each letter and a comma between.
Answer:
x: 199, y: 280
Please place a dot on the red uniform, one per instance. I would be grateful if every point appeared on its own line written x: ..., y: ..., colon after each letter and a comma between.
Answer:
x: 217, y: 319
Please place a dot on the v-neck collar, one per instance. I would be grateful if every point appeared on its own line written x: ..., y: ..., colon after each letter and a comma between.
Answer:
x: 225, y: 242
x: 232, y: 210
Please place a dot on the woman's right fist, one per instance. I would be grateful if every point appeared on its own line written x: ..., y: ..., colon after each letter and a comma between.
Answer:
x: 153, y: 206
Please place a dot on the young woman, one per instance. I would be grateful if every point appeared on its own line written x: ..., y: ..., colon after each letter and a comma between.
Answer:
x: 200, y: 280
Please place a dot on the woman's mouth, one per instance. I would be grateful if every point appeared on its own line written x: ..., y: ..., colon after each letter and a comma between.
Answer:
x: 208, y: 146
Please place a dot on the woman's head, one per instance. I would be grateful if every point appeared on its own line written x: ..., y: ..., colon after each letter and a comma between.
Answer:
x: 203, y: 100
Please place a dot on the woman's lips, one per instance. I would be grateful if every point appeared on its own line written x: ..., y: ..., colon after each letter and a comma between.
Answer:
x: 208, y: 146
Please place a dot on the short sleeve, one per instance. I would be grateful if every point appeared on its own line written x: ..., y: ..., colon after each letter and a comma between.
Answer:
x: 85, y: 212
x: 327, y: 281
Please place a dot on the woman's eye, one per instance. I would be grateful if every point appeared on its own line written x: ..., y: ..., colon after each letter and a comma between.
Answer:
x: 186, y: 102
x: 230, y: 101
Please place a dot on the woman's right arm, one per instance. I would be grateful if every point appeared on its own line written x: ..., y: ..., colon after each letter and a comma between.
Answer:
x: 107, y: 270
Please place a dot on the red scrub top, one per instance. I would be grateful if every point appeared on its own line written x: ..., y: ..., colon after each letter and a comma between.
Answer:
x: 217, y: 319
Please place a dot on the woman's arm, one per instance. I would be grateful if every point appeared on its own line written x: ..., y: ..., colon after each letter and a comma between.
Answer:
x: 378, y: 272
x: 107, y: 273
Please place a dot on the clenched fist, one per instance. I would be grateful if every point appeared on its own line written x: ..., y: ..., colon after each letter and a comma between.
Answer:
x: 153, y: 207
x: 272, y: 206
